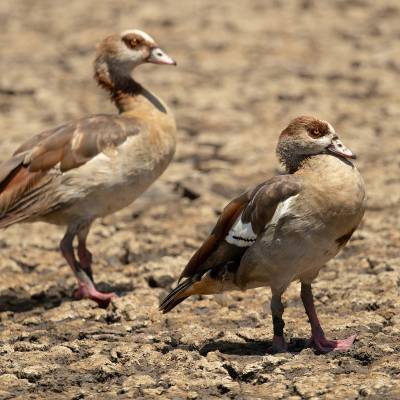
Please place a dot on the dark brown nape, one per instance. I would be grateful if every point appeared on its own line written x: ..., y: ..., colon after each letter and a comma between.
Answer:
x: 102, y: 75
x: 121, y: 88
x: 105, y: 49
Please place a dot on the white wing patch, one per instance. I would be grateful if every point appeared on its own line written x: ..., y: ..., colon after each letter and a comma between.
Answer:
x: 282, y: 210
x: 241, y: 235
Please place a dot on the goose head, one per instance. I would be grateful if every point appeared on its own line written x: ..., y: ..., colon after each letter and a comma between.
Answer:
x: 307, y: 136
x: 119, y: 54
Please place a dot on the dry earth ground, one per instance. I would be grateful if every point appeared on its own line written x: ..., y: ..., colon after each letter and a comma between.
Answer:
x: 245, y: 68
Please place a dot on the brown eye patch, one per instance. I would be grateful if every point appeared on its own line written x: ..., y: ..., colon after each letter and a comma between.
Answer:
x: 133, y: 41
x: 317, y: 129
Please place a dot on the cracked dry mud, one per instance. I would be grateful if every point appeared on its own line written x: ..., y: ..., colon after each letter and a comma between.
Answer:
x: 245, y: 69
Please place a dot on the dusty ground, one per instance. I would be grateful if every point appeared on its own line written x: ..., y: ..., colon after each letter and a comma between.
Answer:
x: 245, y: 68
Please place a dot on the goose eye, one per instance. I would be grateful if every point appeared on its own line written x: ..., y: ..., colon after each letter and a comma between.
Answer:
x: 315, y: 133
x: 132, y: 43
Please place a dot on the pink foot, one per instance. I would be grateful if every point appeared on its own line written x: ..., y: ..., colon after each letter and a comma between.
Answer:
x: 325, y: 346
x: 86, y: 291
x: 279, y: 345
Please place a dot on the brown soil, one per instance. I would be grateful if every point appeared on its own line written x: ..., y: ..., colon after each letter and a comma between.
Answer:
x: 245, y: 68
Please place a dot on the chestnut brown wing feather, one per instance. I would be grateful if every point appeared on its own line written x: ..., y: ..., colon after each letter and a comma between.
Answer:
x: 256, y: 207
x: 219, y: 256
x: 74, y: 144
x: 224, y: 223
x: 67, y: 146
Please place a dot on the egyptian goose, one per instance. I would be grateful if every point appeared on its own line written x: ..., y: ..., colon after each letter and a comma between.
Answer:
x: 96, y: 165
x: 284, y: 229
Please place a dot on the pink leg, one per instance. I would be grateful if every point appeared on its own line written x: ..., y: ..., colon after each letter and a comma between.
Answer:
x: 84, y: 255
x: 86, y: 287
x: 318, y: 339
x: 279, y: 344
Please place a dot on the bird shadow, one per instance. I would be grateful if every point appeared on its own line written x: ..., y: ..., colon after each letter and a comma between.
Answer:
x: 251, y: 348
x: 19, y: 300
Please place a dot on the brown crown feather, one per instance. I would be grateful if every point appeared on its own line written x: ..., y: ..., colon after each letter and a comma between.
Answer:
x: 133, y: 41
x: 314, y: 126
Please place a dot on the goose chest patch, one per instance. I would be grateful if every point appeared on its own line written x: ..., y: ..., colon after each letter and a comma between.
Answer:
x: 241, y: 234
